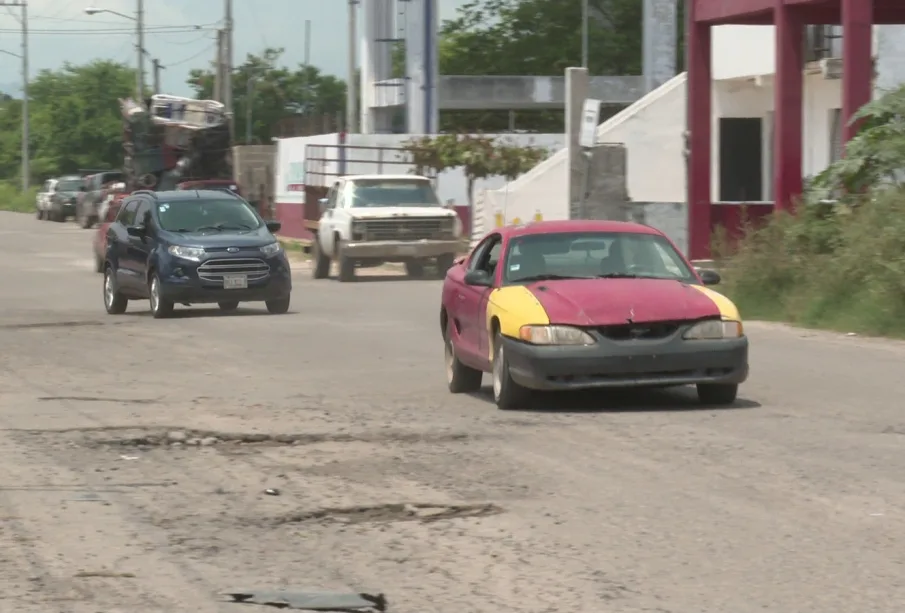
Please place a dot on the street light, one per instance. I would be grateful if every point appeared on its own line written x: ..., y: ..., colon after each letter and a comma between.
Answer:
x: 140, y: 36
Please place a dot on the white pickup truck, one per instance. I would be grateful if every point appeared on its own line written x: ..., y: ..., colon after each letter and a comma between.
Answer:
x: 367, y: 220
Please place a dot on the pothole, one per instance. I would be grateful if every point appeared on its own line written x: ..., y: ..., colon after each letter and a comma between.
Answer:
x: 181, y: 437
x: 390, y: 513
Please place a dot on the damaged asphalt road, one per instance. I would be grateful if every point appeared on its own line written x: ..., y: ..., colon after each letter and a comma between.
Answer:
x: 136, y: 457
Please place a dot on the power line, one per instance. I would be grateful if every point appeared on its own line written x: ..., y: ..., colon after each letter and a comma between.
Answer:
x: 192, y: 57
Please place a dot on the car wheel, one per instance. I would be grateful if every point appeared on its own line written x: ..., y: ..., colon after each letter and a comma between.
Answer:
x: 160, y: 306
x: 462, y: 379
x: 414, y: 269
x: 114, y: 301
x: 346, y: 268
x: 229, y: 306
x: 507, y: 394
x: 444, y: 263
x: 85, y: 221
x: 321, y: 266
x: 717, y: 393
x: 279, y: 306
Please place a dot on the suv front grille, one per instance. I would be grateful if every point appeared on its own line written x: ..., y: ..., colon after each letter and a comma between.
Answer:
x: 214, y: 270
x: 642, y: 332
x: 405, y: 229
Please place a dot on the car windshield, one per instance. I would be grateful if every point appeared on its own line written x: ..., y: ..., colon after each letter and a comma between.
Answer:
x: 594, y: 255
x: 203, y: 214
x: 391, y: 192
x: 69, y: 185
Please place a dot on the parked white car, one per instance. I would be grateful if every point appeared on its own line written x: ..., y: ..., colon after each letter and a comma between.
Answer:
x: 367, y: 220
x: 56, y: 200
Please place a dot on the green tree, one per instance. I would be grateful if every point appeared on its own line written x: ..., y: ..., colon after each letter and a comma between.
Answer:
x: 275, y: 92
x: 75, y: 119
x: 535, y: 37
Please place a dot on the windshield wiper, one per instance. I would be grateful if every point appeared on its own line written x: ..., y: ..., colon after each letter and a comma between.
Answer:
x: 548, y: 277
x: 618, y: 275
x: 223, y: 226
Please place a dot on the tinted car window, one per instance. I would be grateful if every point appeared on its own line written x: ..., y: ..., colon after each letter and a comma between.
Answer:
x: 199, y: 214
x: 127, y: 213
x: 143, y: 214
x: 595, y: 254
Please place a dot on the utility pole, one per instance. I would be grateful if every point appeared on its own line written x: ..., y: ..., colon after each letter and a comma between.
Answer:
x: 351, y: 88
x: 23, y: 4
x: 157, y: 69
x: 228, y: 69
x: 218, y: 69
x: 140, y: 36
x: 585, y: 18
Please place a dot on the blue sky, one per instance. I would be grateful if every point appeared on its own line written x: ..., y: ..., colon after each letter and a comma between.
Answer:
x: 258, y: 24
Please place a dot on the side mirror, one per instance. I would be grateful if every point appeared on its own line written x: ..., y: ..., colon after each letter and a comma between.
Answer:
x: 324, y: 204
x: 273, y: 226
x: 478, y: 278
x: 710, y: 277
x: 136, y: 231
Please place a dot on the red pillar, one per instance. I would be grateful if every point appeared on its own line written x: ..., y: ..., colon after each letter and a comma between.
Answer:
x: 788, y: 111
x: 699, y: 90
x: 857, y: 60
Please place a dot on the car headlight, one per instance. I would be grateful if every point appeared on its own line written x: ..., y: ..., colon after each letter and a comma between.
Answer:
x: 555, y: 335
x: 715, y: 329
x: 271, y: 249
x: 187, y: 253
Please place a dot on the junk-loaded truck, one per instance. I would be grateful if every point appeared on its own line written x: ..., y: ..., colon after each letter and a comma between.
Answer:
x: 171, y: 143
x: 364, y: 220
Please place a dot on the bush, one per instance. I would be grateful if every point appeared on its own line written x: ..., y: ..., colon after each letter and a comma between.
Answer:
x: 828, y: 266
x: 12, y: 198
x: 837, y: 263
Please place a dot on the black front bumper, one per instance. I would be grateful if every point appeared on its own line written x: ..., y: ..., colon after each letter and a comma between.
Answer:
x: 608, y: 363
x: 189, y: 289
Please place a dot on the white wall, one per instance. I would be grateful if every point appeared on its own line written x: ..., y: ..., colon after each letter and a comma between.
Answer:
x: 451, y: 185
x: 289, y: 173
x: 743, y: 51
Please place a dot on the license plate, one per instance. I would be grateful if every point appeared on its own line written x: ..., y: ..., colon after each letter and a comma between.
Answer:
x: 235, y: 282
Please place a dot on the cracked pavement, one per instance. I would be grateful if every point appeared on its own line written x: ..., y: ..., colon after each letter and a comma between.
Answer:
x: 136, y: 455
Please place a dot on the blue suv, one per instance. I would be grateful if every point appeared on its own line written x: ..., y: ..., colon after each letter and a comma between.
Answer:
x: 191, y: 247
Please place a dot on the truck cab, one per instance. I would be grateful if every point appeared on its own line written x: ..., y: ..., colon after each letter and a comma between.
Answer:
x: 366, y: 220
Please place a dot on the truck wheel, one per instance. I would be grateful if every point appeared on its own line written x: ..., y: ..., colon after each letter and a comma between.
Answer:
x: 346, y: 268
x: 414, y: 269
x: 321, y: 265
x: 444, y: 263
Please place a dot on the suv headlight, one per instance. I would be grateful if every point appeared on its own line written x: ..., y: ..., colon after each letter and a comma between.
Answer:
x: 187, y: 253
x: 715, y: 329
x: 271, y: 249
x: 555, y: 335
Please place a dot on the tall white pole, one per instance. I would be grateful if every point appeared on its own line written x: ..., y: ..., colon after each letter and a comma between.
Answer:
x: 585, y: 10
x: 351, y: 88
x: 25, y: 120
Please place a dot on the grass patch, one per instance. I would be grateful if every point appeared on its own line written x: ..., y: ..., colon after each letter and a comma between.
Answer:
x: 12, y: 198
x: 829, y: 266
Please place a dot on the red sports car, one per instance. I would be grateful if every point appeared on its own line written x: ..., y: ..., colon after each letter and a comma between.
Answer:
x: 564, y: 305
